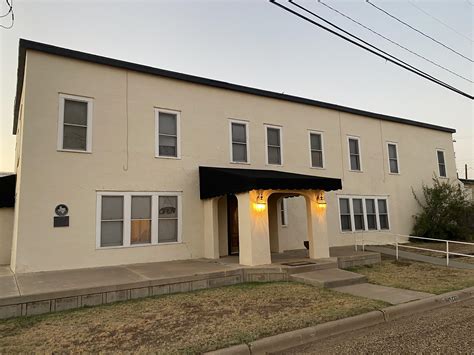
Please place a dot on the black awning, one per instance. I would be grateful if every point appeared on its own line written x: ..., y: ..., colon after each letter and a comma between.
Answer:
x: 7, y: 190
x: 222, y: 181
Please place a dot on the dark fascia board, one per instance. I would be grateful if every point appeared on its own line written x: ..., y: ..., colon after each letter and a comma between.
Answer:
x: 467, y: 181
x: 46, y: 48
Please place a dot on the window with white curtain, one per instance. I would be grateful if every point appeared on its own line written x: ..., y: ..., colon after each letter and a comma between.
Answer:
x: 363, y: 213
x: 127, y: 219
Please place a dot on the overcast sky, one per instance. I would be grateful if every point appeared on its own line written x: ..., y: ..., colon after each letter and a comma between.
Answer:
x: 254, y: 43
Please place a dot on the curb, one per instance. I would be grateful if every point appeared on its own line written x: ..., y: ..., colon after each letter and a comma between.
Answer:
x: 303, y: 336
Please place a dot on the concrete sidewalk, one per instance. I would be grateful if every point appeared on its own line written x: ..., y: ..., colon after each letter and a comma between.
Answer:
x: 419, y: 257
x: 390, y: 295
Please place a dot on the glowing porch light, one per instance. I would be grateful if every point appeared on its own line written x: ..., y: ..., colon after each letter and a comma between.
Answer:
x: 321, y: 201
x: 260, y: 205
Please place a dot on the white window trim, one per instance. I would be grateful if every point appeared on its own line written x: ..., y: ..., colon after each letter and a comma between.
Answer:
x: 157, y: 133
x: 90, y: 110
x: 388, y: 157
x: 280, y: 132
x: 247, y: 141
x: 445, y: 165
x: 127, y: 198
x: 312, y: 131
x: 285, y: 212
x: 366, y: 228
x: 349, y: 154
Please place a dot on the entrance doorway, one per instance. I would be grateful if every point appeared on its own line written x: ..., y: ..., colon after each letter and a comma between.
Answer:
x: 233, y: 224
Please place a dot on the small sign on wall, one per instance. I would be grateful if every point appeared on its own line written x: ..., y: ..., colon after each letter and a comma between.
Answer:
x: 61, y: 219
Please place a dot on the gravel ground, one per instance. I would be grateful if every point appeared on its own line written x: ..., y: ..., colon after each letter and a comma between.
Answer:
x: 445, y: 330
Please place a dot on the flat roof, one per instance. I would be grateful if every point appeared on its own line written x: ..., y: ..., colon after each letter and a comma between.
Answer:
x: 25, y: 45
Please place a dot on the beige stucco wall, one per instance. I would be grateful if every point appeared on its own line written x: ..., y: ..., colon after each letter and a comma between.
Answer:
x: 6, y: 234
x: 123, y: 159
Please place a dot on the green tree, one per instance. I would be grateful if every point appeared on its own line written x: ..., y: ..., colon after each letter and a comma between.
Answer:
x: 447, y: 212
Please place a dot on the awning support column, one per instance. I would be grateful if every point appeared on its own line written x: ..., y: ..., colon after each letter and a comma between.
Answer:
x: 211, y: 229
x: 317, y: 227
x: 254, y: 238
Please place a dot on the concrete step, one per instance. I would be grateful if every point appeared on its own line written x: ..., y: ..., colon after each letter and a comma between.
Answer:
x: 332, y: 277
x: 320, y: 264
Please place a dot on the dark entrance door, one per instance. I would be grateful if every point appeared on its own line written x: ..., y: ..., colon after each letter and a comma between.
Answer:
x: 233, y: 224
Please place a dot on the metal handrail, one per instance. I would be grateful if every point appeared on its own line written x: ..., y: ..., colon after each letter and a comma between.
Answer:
x: 397, y: 245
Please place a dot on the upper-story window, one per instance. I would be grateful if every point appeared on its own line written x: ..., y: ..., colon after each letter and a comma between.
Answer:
x: 239, y: 141
x: 393, y: 158
x: 354, y: 154
x: 273, y: 145
x: 441, y: 163
x: 316, y: 149
x: 167, y: 125
x: 75, y: 123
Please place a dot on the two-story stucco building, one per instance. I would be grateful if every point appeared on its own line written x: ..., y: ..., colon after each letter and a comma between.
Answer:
x: 120, y: 163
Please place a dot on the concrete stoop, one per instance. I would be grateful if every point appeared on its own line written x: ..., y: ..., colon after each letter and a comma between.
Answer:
x: 329, y: 278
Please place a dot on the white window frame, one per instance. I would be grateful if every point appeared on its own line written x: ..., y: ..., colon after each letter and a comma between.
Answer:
x: 321, y: 134
x: 127, y: 205
x: 388, y: 158
x: 349, y: 153
x: 247, y: 141
x: 157, y: 133
x: 280, y: 132
x: 283, y: 213
x: 90, y: 110
x: 366, y: 227
x: 438, y: 164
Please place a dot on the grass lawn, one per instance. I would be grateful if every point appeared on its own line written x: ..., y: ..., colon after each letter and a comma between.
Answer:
x: 453, y: 247
x: 417, y: 276
x: 186, y: 323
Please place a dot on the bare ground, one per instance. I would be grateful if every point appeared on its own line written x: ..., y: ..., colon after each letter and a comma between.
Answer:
x: 182, y: 323
x: 417, y: 276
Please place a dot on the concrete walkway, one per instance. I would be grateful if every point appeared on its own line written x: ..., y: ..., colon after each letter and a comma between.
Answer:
x: 383, y: 293
x: 420, y: 257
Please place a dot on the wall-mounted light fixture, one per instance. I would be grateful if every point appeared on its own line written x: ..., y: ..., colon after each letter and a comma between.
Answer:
x: 260, y: 205
x: 320, y: 199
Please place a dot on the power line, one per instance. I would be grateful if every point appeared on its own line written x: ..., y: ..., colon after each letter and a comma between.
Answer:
x: 412, y: 3
x: 370, y: 45
x: 387, y: 58
x: 393, y: 42
x: 10, y: 11
x: 416, y: 30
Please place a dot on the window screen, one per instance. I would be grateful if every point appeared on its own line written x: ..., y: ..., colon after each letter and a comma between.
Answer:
x: 75, y: 125
x: 111, y: 221
x: 354, y: 154
x: 167, y: 134
x: 273, y: 146
x: 239, y: 142
x: 168, y: 219
x: 316, y: 150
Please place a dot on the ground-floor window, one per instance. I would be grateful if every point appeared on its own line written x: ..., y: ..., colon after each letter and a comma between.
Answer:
x: 284, y: 211
x: 363, y: 213
x: 138, y: 218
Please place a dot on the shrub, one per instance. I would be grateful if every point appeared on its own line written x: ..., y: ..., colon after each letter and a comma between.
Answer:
x: 447, y: 212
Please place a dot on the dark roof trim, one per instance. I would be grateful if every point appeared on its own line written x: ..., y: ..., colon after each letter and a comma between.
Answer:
x: 46, y: 48
x: 214, y: 182
x: 7, y: 190
x: 467, y: 181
